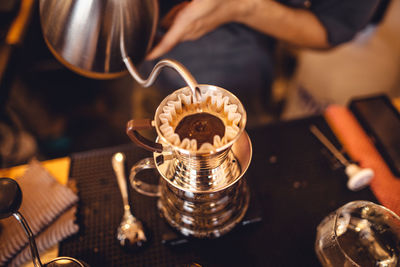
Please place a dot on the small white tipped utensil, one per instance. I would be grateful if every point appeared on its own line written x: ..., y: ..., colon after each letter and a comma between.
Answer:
x: 358, y: 177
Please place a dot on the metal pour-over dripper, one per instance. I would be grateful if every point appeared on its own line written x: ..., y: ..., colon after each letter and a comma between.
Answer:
x: 201, y: 191
x: 10, y: 201
x: 101, y: 39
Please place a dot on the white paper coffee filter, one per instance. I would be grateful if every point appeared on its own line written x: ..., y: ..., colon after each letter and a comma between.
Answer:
x: 211, y: 102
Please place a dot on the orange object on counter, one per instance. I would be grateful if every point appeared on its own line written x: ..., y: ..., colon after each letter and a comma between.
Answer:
x: 58, y: 168
x: 385, y: 186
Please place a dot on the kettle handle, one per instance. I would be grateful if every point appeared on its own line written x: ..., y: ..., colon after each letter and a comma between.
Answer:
x: 132, y: 128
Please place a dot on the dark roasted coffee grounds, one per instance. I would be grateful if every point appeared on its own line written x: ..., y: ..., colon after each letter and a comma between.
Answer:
x: 200, y: 126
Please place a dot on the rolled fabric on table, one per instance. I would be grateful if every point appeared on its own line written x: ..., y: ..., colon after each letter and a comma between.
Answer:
x: 385, y: 186
x: 48, y: 209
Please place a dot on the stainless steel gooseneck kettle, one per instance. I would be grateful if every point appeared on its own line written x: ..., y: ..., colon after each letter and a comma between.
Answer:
x: 102, y: 38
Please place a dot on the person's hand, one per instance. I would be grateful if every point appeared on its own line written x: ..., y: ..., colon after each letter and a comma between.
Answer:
x: 191, y: 20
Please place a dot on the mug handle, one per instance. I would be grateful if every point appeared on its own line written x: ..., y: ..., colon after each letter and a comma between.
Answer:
x: 132, y: 128
x: 144, y: 188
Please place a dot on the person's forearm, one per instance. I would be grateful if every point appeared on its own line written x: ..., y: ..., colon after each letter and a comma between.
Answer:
x: 297, y: 26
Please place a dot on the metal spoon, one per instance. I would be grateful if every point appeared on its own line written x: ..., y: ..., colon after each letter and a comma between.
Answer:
x: 131, y: 232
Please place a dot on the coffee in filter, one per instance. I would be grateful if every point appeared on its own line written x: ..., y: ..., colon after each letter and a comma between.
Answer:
x: 203, y: 126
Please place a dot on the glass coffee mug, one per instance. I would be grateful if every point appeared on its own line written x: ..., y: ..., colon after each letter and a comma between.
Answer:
x: 201, y: 193
x: 360, y: 233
